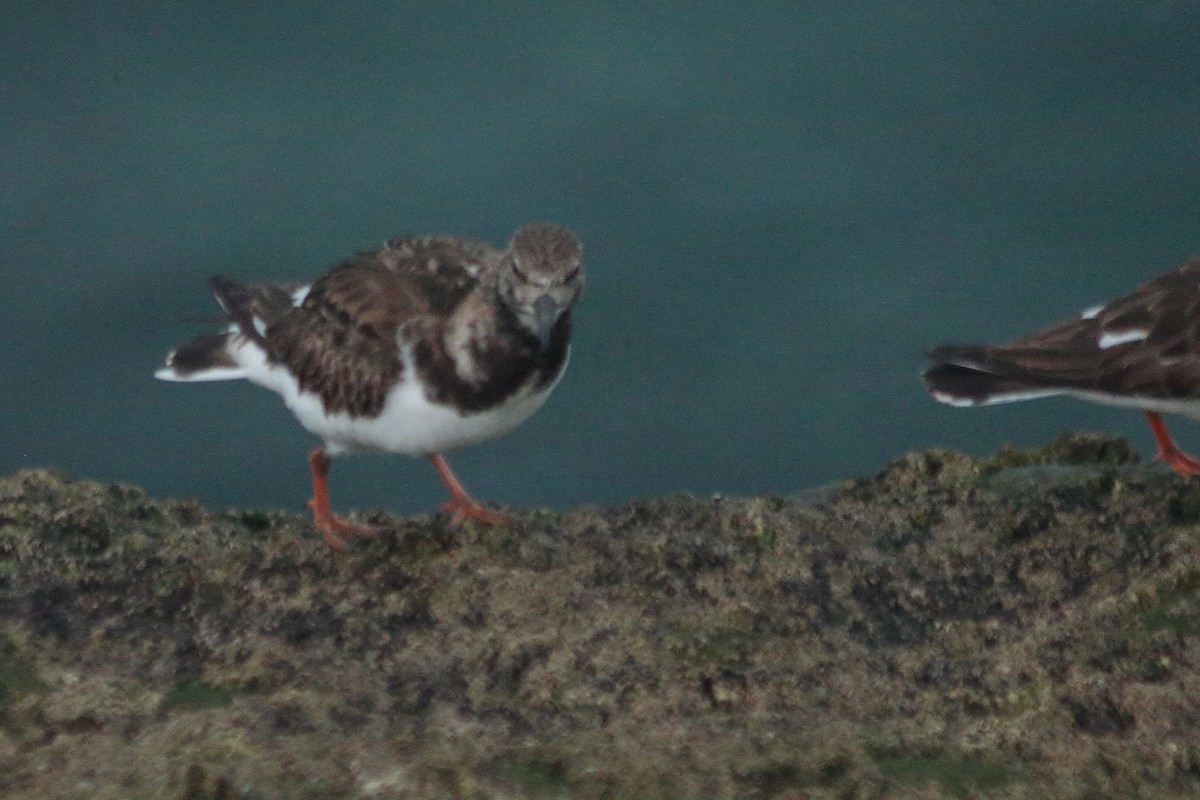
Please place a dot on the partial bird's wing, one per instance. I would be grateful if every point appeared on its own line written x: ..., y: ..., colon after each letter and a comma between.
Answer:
x: 344, y: 340
x: 1146, y: 344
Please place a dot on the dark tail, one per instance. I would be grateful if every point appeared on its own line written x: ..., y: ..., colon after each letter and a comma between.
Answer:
x: 969, y: 376
x: 251, y: 309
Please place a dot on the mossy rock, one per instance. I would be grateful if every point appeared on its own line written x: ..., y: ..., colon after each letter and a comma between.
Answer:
x: 1024, y: 626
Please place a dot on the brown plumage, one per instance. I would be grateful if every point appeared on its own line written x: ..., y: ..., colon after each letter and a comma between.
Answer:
x: 430, y: 343
x: 1140, y: 351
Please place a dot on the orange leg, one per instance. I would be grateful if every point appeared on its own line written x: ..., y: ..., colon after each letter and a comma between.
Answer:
x: 1168, y: 451
x: 461, y: 505
x: 331, y: 527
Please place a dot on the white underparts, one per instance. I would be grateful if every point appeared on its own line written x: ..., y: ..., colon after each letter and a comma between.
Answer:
x: 992, y: 400
x: 1184, y: 407
x: 410, y: 422
x: 168, y: 373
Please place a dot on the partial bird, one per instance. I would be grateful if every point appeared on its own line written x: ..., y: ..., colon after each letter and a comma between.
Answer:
x: 1140, y: 351
x: 427, y: 345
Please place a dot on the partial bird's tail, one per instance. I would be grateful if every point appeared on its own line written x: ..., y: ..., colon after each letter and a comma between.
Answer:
x: 971, y: 376
x: 250, y: 311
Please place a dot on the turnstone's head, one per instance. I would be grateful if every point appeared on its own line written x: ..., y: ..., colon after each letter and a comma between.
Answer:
x: 541, y: 276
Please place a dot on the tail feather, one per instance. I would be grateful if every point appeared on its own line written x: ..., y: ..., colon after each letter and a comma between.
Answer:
x: 1064, y: 356
x: 1054, y: 361
x: 970, y: 356
x: 961, y: 385
x: 251, y: 310
x: 205, y: 358
x: 255, y: 307
x: 238, y: 301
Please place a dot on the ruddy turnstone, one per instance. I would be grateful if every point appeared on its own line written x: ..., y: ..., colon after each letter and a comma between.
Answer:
x: 1141, y: 351
x: 429, y: 344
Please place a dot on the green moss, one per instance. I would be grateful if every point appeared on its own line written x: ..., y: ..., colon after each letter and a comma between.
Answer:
x: 199, y: 785
x: 196, y: 696
x: 1067, y: 448
x: 715, y: 646
x: 210, y: 596
x: 536, y: 778
x: 959, y: 776
x: 1176, y: 609
x: 17, y: 675
x: 771, y: 779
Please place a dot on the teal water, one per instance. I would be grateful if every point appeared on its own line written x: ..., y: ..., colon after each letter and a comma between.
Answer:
x: 782, y: 206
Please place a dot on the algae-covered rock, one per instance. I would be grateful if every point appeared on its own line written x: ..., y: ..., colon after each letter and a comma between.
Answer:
x: 1020, y: 627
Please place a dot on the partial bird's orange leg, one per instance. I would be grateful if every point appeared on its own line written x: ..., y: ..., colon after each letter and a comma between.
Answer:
x: 461, y: 505
x: 330, y: 526
x: 1168, y: 451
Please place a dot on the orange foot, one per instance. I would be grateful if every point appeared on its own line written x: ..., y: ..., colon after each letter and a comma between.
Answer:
x: 333, y: 528
x: 461, y: 506
x: 1168, y: 451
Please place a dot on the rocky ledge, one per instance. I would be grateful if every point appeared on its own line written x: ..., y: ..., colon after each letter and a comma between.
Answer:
x: 1024, y: 626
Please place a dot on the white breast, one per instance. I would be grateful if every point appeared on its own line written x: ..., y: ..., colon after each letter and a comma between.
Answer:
x: 409, y: 423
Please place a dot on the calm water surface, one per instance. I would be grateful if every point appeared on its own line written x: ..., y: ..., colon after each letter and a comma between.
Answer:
x: 782, y: 207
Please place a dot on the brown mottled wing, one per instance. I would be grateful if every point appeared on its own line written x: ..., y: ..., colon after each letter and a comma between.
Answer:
x: 245, y: 303
x: 341, y: 343
x: 1166, y: 363
x: 270, y: 301
x: 251, y: 308
x: 442, y: 269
